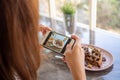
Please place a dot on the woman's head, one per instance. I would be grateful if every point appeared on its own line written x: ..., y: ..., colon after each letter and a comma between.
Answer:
x: 19, y: 48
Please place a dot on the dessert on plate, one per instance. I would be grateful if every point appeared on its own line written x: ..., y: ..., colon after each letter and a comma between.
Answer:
x: 93, y: 57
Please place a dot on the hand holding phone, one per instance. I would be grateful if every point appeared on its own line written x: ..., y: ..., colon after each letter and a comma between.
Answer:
x: 75, y: 59
x: 43, y: 29
x: 56, y: 42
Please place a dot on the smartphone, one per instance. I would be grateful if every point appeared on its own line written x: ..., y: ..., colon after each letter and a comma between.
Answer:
x: 56, y: 42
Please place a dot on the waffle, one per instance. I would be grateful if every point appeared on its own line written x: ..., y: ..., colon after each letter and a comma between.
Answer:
x: 93, y: 57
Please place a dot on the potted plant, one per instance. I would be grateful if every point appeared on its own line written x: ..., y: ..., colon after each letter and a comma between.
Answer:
x: 69, y: 11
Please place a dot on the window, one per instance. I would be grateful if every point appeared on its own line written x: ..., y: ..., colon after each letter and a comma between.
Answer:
x: 59, y: 4
x: 44, y: 7
x: 82, y: 8
x: 83, y: 12
x: 108, y: 15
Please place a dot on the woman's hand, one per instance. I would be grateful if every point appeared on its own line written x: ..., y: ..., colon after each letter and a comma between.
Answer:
x: 43, y: 29
x: 74, y: 57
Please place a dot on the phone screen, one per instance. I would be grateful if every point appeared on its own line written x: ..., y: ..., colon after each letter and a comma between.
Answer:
x: 56, y: 42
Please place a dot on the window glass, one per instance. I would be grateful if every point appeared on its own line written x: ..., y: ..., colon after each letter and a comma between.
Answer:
x: 81, y: 6
x: 44, y: 7
x: 83, y: 12
x: 108, y: 15
x: 59, y: 4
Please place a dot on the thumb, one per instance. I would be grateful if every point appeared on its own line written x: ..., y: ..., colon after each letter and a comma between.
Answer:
x: 68, y: 49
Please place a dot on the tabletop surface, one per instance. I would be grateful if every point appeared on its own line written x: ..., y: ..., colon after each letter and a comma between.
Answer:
x: 55, y: 69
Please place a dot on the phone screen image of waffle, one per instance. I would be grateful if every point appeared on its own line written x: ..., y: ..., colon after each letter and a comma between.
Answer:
x: 93, y: 57
x: 58, y: 42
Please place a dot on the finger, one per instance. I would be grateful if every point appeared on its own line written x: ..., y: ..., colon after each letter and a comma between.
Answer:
x: 64, y: 59
x: 43, y: 32
x: 68, y: 49
x: 45, y: 29
x: 40, y: 27
x: 48, y: 28
x: 73, y: 36
x: 77, y: 40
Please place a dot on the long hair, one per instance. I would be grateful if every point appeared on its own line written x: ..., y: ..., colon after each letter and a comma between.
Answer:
x: 19, y: 48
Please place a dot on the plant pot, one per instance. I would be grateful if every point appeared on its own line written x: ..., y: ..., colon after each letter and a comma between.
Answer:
x: 70, y: 23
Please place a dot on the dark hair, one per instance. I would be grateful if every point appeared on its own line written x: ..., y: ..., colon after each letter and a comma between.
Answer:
x: 19, y: 48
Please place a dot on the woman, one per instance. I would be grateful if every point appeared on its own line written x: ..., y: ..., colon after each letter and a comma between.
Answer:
x: 19, y: 47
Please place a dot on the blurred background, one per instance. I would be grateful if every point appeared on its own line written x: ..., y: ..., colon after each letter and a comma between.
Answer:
x: 108, y: 12
x: 95, y: 19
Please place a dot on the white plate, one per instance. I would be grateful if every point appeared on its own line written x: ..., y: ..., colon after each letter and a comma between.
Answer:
x: 108, y: 63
